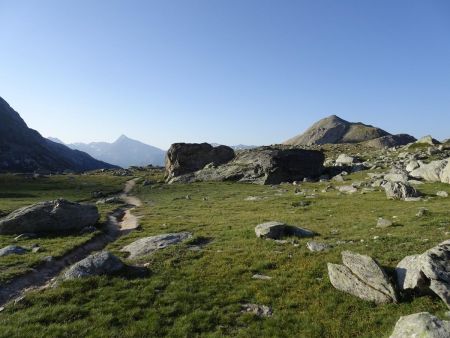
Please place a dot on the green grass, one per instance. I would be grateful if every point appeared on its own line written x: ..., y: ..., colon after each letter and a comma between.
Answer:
x: 19, y: 191
x: 198, y: 293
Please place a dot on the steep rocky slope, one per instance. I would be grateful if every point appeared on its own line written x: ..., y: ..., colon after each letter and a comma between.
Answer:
x: 24, y: 150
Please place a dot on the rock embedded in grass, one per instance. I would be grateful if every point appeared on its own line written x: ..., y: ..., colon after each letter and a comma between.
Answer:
x: 148, y: 245
x: 317, y: 247
x: 429, y: 271
x: 384, y: 223
x: 49, y: 217
x: 442, y: 194
x: 421, y: 325
x: 12, y: 250
x: 362, y: 277
x: 257, y: 310
x: 399, y: 190
x: 99, y: 263
x: 276, y: 230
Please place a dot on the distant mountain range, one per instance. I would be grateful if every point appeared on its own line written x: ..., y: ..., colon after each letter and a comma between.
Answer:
x: 333, y: 129
x: 124, y: 152
x: 236, y: 147
x: 24, y: 150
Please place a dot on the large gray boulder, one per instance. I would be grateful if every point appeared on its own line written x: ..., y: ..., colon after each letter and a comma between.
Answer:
x: 421, y: 325
x: 184, y: 158
x: 148, y: 245
x: 276, y: 230
x: 362, y: 277
x: 49, y: 217
x: 429, y: 271
x: 435, y: 171
x: 100, y: 263
x: 399, y: 190
x: 263, y: 165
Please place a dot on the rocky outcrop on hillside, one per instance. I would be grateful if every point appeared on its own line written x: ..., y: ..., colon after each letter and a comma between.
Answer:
x: 24, y: 150
x: 264, y: 165
x: 390, y: 141
x: 333, y: 129
x: 184, y: 158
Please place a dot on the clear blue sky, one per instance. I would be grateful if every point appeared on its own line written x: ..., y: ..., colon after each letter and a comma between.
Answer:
x: 227, y: 71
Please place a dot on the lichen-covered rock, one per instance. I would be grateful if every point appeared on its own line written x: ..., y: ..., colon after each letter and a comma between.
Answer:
x: 435, y: 171
x: 423, y: 325
x: 148, y: 245
x: 100, y: 263
x: 399, y: 190
x: 362, y: 277
x: 409, y: 274
x: 276, y: 230
x: 49, y: 217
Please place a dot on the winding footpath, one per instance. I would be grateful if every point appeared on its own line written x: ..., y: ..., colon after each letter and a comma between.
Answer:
x: 120, y: 222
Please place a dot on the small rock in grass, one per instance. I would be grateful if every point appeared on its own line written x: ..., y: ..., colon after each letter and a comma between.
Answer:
x: 442, y: 194
x: 12, y: 250
x: 384, y: 223
x: 27, y: 235
x: 317, y: 247
x: 100, y: 263
x: 423, y: 212
x: 276, y: 230
x: 261, y: 277
x: 258, y: 310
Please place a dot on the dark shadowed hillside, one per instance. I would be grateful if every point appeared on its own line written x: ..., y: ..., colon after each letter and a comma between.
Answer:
x: 24, y: 150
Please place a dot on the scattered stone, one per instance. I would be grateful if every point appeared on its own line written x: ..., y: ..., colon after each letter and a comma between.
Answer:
x: 252, y: 198
x: 261, y: 277
x: 258, y: 310
x: 421, y: 325
x: 276, y: 230
x: 442, y: 194
x: 347, y: 189
x: 25, y: 236
x: 435, y: 171
x: 100, y: 263
x: 110, y: 200
x: 362, y: 277
x: 397, y: 176
x: 423, y: 212
x: 51, y: 217
x: 317, y: 247
x: 411, y: 166
x: 12, y: 250
x: 383, y: 223
x: 344, y: 159
x: 399, y: 190
x: 413, y: 199
x: 148, y: 245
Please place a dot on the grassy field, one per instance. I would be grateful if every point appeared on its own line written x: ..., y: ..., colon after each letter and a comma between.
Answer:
x: 19, y: 191
x: 194, y: 291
